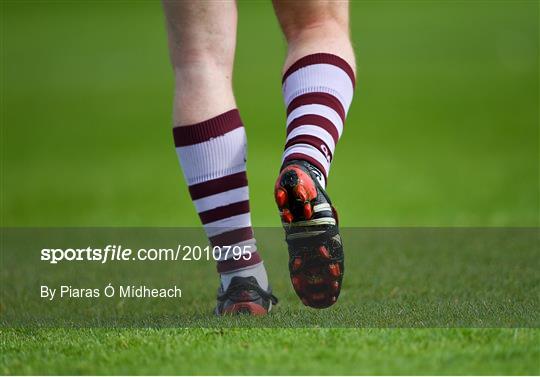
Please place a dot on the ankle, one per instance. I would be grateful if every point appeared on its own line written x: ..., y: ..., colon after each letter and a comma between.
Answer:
x: 257, y: 271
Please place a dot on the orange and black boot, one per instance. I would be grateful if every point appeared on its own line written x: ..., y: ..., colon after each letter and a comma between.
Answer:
x: 312, y: 234
x: 244, y: 296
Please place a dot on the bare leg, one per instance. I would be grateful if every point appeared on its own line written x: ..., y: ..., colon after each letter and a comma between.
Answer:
x: 210, y: 141
x: 315, y: 26
x: 202, y: 41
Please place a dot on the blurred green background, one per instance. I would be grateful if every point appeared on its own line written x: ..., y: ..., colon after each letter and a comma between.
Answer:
x: 443, y: 130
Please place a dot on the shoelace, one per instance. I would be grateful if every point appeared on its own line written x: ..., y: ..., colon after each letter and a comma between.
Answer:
x: 247, y: 286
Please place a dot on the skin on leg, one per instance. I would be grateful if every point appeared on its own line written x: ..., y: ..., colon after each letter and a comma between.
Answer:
x: 202, y: 41
x: 315, y: 26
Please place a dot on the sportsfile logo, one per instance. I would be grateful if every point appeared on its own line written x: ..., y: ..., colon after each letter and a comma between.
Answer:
x: 119, y: 253
x: 113, y: 252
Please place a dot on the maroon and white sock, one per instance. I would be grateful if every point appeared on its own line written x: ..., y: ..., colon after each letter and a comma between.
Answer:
x: 318, y: 91
x: 213, y: 158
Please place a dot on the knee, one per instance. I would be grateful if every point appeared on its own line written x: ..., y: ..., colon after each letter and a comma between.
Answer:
x: 318, y: 21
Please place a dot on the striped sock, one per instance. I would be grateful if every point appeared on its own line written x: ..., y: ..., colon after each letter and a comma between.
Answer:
x: 318, y: 91
x: 213, y: 158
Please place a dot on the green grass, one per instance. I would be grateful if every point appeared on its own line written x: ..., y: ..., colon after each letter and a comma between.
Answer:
x: 443, y: 132
x: 270, y: 351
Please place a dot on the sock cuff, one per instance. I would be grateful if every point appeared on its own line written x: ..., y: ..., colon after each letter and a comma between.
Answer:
x: 321, y: 58
x: 208, y: 129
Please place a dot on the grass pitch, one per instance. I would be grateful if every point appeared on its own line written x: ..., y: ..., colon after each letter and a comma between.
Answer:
x: 443, y: 131
x: 272, y: 351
